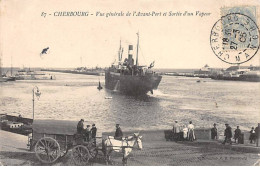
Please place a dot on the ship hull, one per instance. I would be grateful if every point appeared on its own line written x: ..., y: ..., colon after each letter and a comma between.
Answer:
x: 10, y: 78
x: 2, y: 79
x: 131, y: 85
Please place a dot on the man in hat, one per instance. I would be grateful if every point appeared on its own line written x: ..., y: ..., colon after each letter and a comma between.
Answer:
x: 227, y: 134
x: 80, y: 126
x: 176, y: 131
x: 257, y: 133
x: 252, y: 136
x: 237, y: 134
x: 118, y: 133
x: 214, y: 132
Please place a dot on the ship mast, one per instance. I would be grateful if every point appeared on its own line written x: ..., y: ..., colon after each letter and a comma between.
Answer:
x: 137, y: 48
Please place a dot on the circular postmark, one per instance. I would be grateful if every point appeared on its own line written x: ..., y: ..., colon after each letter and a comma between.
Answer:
x: 234, y: 38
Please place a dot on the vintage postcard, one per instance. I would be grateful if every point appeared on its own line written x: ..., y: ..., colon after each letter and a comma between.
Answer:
x: 136, y: 83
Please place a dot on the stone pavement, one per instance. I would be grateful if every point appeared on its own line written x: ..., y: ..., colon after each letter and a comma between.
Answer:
x: 195, y: 154
x: 155, y: 153
x: 13, y: 149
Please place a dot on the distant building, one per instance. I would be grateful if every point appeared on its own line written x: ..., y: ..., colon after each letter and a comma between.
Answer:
x: 254, y: 68
x: 235, y: 68
x: 203, y: 71
x: 207, y: 71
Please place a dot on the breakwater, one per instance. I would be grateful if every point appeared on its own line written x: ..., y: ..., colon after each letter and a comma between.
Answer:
x: 94, y: 72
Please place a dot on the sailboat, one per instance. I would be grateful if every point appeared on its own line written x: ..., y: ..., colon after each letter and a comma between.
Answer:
x: 130, y: 78
x: 2, y: 79
x: 10, y: 78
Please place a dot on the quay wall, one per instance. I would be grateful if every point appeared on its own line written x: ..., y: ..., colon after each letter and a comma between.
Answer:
x: 159, y: 135
x: 201, y: 134
x: 15, y: 119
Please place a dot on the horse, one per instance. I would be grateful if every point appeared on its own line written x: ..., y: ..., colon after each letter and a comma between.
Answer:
x: 125, y: 146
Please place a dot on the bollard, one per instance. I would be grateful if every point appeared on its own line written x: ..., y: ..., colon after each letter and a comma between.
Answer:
x: 258, y: 136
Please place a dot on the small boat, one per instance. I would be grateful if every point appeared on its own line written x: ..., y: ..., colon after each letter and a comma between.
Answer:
x: 198, y: 81
x: 24, y: 74
x: 2, y: 79
x: 11, y: 77
x: 99, y: 86
x: 108, y: 97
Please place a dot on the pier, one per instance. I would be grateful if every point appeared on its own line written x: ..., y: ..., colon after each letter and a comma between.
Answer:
x: 234, y: 73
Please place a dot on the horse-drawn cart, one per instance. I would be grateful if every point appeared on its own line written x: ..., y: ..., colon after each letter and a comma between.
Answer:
x: 52, y: 139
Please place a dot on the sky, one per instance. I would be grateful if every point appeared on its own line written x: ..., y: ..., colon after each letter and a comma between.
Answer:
x: 171, y: 41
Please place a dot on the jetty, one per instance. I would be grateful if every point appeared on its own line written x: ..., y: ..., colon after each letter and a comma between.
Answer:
x: 83, y: 71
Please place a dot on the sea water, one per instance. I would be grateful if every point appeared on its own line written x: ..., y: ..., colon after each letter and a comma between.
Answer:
x: 74, y: 96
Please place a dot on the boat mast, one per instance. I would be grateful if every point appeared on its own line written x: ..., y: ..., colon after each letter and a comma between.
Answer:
x: 121, y: 54
x: 137, y: 48
x: 0, y: 65
x: 11, y: 65
x: 119, y: 51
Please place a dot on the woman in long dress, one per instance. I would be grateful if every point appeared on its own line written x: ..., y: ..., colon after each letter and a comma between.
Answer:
x: 185, y: 132
x: 191, y: 133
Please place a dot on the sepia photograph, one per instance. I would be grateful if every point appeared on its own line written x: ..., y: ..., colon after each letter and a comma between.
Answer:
x: 129, y: 83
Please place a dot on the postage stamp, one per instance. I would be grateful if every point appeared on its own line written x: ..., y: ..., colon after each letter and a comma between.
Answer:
x: 235, y: 37
x: 249, y: 11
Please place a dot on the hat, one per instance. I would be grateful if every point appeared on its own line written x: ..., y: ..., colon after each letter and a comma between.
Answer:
x: 176, y: 120
x: 93, y: 124
x: 88, y: 125
x: 82, y: 120
x: 226, y: 124
x: 214, y: 124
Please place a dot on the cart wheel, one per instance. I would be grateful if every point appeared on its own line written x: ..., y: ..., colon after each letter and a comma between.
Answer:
x: 47, y: 150
x: 80, y: 155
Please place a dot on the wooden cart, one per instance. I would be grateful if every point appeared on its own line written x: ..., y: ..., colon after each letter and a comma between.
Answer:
x: 52, y: 139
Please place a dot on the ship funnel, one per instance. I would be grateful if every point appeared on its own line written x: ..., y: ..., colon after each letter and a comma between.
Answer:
x: 130, y: 55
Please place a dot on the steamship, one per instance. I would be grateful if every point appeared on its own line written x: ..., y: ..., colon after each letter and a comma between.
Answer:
x: 129, y: 78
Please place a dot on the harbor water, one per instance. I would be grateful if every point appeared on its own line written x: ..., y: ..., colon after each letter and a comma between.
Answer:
x: 75, y: 96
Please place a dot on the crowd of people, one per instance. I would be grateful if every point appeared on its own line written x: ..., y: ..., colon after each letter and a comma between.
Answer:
x: 182, y: 133
x: 88, y: 133
x: 238, y: 136
x: 186, y: 133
